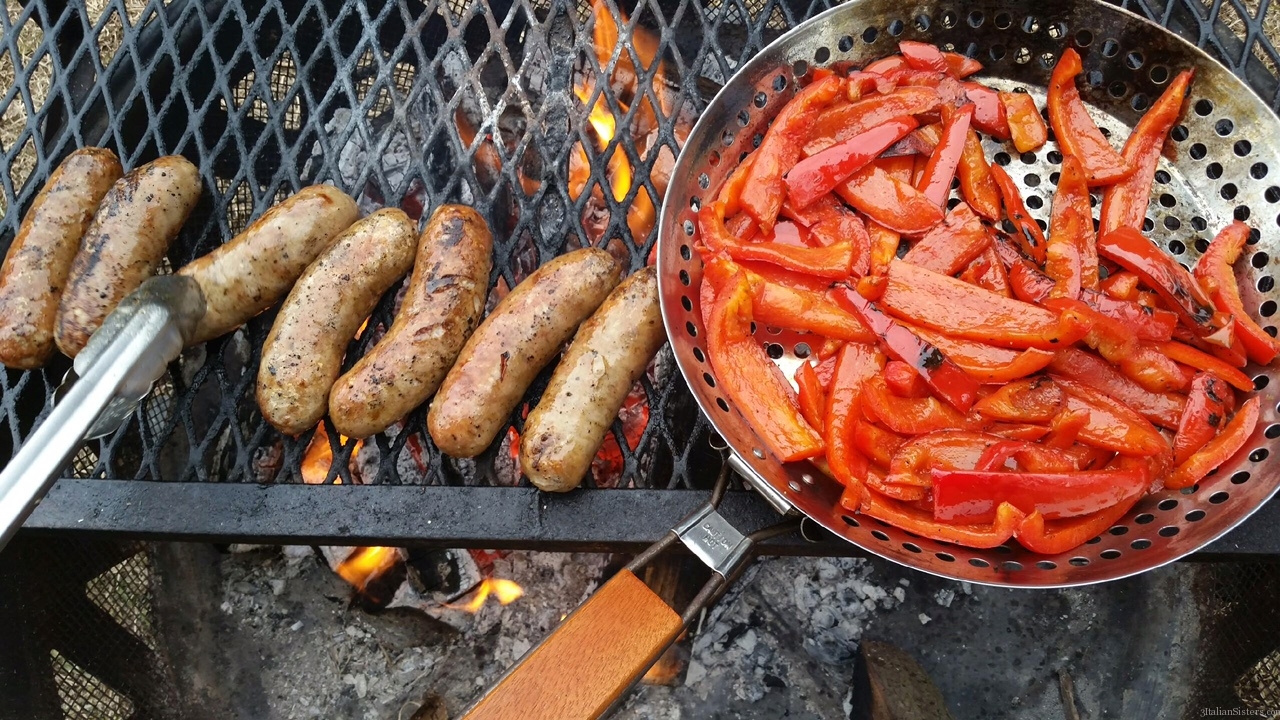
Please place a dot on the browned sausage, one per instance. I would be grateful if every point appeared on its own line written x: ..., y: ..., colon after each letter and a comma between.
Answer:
x: 303, y: 353
x: 513, y: 344
x: 443, y: 304
x: 124, y: 245
x: 609, y: 353
x: 36, y: 268
x: 252, y: 272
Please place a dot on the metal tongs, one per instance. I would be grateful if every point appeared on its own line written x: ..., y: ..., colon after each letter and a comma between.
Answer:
x: 113, y: 373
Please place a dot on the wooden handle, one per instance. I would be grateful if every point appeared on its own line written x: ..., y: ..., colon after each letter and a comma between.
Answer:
x: 590, y: 660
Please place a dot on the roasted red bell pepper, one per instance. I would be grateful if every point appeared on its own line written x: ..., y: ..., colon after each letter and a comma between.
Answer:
x: 780, y: 306
x: 838, y: 123
x: 886, y: 65
x: 948, y: 381
x: 884, y: 248
x: 1124, y: 204
x: 987, y: 363
x: 829, y: 348
x: 988, y: 112
x: 755, y: 386
x: 1214, y: 271
x: 1018, y: 431
x: 1202, y: 361
x: 1112, y: 424
x: 921, y: 522
x: 1218, y: 450
x: 831, y: 223
x: 731, y: 191
x: 1075, y: 130
x: 946, y: 449
x: 961, y: 66
x: 1029, y: 234
x: 888, y: 201
x: 1058, y: 536
x: 829, y: 262
x: 763, y: 191
x: 952, y: 244
x: 976, y: 183
x: 1025, y: 124
x: 973, y: 495
x: 1161, y: 408
x: 1065, y: 429
x: 941, y: 168
x: 908, y: 416
x: 1071, y: 219
x: 742, y: 227
x: 856, y: 364
x: 812, y: 397
x: 1121, y: 285
x: 876, y: 443
x: 1203, y: 416
x: 1062, y: 261
x: 986, y: 271
x: 1030, y: 400
x: 961, y: 310
x: 1141, y: 362
x: 923, y: 56
x: 1026, y: 456
x: 1161, y: 273
x: 904, y: 381
x: 913, y: 494
x: 817, y: 175
x: 782, y: 276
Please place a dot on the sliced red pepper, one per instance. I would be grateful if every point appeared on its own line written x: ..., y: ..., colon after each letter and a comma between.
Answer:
x: 1161, y: 408
x: 839, y: 123
x: 830, y: 222
x: 1075, y: 130
x: 731, y: 191
x: 905, y: 493
x: 1054, y: 537
x: 1065, y: 429
x: 890, y: 202
x: 988, y: 112
x: 987, y: 363
x: 973, y: 495
x: 752, y: 382
x: 908, y: 416
x: 904, y: 381
x: 884, y: 248
x: 855, y: 365
x: 1205, y: 413
x: 1025, y: 124
x: 1218, y: 450
x: 886, y: 65
x: 829, y: 348
x: 812, y: 397
x: 986, y: 271
x: 763, y: 191
x: 1018, y: 431
x: 921, y: 522
x: 784, y: 233
x: 1124, y: 204
x: 961, y: 310
x: 952, y: 244
x: 1027, y: 456
x: 828, y: 262
x: 961, y: 66
x: 941, y: 168
x: 1122, y: 285
x: 1214, y: 271
x: 948, y: 381
x: 1029, y: 234
x: 781, y: 276
x: 1141, y: 362
x: 1030, y: 400
x: 779, y: 306
x: 819, y: 174
x: 947, y: 449
x: 876, y: 443
x: 976, y: 183
x: 1071, y: 220
x: 742, y: 227
x: 1062, y: 259
x: 1160, y: 272
x: 827, y: 370
x: 1202, y: 361
x: 923, y: 56
x: 1112, y: 424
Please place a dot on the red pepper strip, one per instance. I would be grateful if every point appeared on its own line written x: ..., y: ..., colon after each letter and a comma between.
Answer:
x: 855, y: 365
x: 762, y: 194
x: 1018, y: 431
x: 1026, y: 456
x: 1025, y: 124
x: 921, y: 522
x: 972, y: 495
x: 1075, y: 131
x: 1062, y: 261
x: 952, y: 244
x: 1218, y: 450
x: 1161, y: 408
x: 1054, y: 537
x: 884, y: 248
x: 961, y: 66
x: 860, y: 83
x: 961, y: 310
x: 781, y: 276
x: 828, y: 262
x: 1143, y: 363
x: 1205, y: 413
x: 1217, y: 278
x: 986, y: 271
x: 1029, y: 234
x: 1202, y: 361
x: 949, y: 449
x: 1122, y: 285
x: 780, y: 306
x: 923, y: 56
x: 947, y: 380
x: 1124, y: 204
x: 1031, y: 400
x: 751, y: 381
x: 731, y: 191
x: 1071, y: 219
x: 987, y: 363
x: 915, y: 143
x: 841, y: 122
x: 888, y: 201
x: 826, y: 370
x: 904, y: 493
x: 908, y: 416
x: 1065, y: 429
x: 988, y: 112
x: 829, y: 348
x: 1112, y: 424
x: 742, y: 227
x: 941, y: 168
x: 1160, y: 272
x: 886, y: 64
x: 819, y: 174
x: 904, y: 381
x: 976, y: 184
x: 812, y: 396
x: 825, y: 208
x: 785, y: 233
x: 877, y: 443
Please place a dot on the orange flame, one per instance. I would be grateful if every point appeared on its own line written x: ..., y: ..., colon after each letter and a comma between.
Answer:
x: 506, y: 591
x: 318, y: 457
x: 366, y: 563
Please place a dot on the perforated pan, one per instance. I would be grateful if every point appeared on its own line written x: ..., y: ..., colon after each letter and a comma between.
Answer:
x: 1223, y: 162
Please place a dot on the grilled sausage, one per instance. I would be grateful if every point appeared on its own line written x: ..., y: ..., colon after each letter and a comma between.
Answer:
x: 443, y: 304
x: 610, y: 352
x: 36, y: 268
x: 249, y: 274
x: 124, y: 245
x: 302, y: 356
x: 513, y: 344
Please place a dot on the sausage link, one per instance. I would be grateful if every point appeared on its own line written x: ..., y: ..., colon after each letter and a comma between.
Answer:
x: 138, y: 218
x: 608, y: 355
x: 514, y: 343
x: 38, y: 263
x: 443, y: 304
x: 302, y: 356
x: 249, y: 274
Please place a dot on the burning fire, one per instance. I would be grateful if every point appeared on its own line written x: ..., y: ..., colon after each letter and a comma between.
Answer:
x: 318, y: 457
x: 367, y: 563
x: 506, y: 591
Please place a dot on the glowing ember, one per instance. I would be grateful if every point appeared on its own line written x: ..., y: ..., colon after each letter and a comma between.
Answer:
x: 367, y: 563
x: 318, y: 457
x: 506, y: 591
